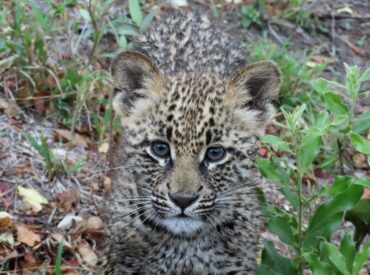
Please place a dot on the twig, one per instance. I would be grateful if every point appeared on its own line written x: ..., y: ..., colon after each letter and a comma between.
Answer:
x: 333, y: 48
x: 274, y: 33
x: 344, y: 17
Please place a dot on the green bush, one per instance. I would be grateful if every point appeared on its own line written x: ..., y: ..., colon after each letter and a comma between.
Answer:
x: 323, y: 206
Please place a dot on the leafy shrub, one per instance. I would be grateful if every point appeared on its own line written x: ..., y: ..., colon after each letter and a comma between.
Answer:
x: 323, y: 206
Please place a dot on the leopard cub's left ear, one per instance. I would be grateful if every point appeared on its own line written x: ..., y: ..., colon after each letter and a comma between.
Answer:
x: 253, y: 88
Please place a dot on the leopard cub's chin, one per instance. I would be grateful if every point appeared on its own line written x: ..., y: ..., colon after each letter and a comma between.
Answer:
x: 183, y: 225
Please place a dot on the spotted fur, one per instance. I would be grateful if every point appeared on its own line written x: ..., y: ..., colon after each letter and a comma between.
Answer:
x: 187, y: 84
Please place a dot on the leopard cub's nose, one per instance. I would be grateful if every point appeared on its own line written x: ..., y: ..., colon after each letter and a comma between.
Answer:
x: 182, y: 201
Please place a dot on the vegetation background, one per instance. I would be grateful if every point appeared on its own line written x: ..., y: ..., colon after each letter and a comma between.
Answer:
x: 57, y: 127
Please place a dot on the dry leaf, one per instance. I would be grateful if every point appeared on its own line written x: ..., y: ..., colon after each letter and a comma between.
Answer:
x: 87, y: 254
x: 67, y: 199
x: 59, y: 237
x: 7, y: 254
x: 345, y: 9
x: 27, y: 236
x: 359, y: 160
x: 67, y: 221
x: 4, y: 215
x: 9, y: 109
x: 311, y: 64
x: 353, y: 47
x: 33, y: 198
x: 95, y: 186
x: 321, y: 58
x: 23, y: 169
x: 107, y: 183
x: 7, y: 237
x: 103, y: 148
x: 94, y: 223
x: 7, y: 63
x: 76, y: 139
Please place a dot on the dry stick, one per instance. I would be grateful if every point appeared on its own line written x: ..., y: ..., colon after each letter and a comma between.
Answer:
x: 333, y: 48
x: 110, y: 132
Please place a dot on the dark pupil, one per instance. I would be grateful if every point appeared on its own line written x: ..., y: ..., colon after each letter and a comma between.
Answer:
x: 161, y: 149
x: 215, y: 153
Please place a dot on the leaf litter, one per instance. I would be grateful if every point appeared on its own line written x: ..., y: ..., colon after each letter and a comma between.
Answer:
x: 39, y: 213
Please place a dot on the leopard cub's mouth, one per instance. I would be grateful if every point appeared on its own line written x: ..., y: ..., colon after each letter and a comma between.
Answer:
x: 182, y: 224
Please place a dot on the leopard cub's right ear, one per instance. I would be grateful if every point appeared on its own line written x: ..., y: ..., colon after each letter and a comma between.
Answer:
x: 135, y: 77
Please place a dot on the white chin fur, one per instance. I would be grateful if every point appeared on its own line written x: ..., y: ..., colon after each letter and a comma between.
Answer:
x: 182, y: 225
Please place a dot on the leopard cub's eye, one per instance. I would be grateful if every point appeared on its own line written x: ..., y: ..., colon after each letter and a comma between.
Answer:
x: 215, y: 154
x: 160, y: 149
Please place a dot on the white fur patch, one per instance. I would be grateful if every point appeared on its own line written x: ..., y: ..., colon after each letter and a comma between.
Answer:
x: 182, y: 225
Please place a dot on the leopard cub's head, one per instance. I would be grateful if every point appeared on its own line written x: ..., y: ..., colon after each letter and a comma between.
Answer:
x: 189, y: 141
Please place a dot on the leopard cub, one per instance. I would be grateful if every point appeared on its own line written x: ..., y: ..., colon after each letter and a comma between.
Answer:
x: 183, y: 197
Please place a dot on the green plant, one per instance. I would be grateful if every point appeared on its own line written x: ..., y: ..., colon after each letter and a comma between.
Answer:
x: 58, y: 260
x: 65, y: 82
x: 298, y: 11
x: 318, y: 209
x: 348, y: 126
x: 53, y: 165
x: 248, y: 15
x: 297, y: 75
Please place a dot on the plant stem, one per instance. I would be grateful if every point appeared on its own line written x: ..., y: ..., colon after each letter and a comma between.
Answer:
x: 339, y: 143
x: 299, y: 178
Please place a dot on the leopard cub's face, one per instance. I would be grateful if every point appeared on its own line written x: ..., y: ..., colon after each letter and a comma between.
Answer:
x: 189, y: 141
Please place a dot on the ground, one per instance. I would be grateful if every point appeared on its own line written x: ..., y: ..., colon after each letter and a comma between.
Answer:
x: 41, y: 206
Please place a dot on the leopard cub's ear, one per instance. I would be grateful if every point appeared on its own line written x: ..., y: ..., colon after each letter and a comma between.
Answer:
x: 252, y: 90
x: 135, y: 77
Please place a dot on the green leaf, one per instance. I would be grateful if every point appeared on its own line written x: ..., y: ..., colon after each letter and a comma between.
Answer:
x: 363, y: 182
x: 40, y: 17
x: 365, y: 76
x: 273, y: 263
x: 271, y: 171
x: 297, y: 114
x: 284, y: 226
x: 334, y: 256
x: 348, y: 250
x: 322, y: 119
x: 340, y: 120
x: 308, y: 150
x: 361, y: 123
x: 329, y: 215
x: 361, y: 212
x: 135, y: 11
x: 317, y: 266
x: 276, y: 143
x: 328, y: 161
x: 148, y: 18
x: 365, y: 94
x: 361, y: 258
x: 58, y: 261
x: 320, y: 85
x: 361, y: 144
x: 274, y: 173
x: 352, y: 80
x: 341, y: 183
x: 85, y: 14
x: 333, y: 102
